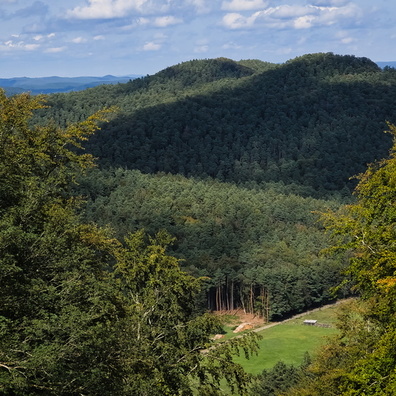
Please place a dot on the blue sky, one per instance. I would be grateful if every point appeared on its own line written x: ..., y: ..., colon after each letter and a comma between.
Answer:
x: 123, y: 37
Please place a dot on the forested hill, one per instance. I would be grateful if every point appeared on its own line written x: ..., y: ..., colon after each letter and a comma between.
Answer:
x: 315, y: 120
x: 246, y: 242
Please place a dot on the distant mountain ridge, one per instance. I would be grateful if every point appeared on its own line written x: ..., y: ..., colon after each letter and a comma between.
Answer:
x: 56, y: 84
x: 390, y: 64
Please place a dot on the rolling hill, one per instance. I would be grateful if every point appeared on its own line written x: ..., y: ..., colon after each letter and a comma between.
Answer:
x: 313, y: 121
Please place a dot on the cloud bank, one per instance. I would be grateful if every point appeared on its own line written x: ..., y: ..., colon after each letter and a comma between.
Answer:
x: 148, y: 34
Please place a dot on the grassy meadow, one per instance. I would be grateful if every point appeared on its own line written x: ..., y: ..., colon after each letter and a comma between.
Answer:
x: 289, y: 340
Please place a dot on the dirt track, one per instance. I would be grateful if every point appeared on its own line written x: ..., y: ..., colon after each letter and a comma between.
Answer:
x: 267, y: 326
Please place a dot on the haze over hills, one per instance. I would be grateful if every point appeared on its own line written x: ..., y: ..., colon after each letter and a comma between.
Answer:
x: 56, y: 84
x: 47, y: 85
x: 389, y: 64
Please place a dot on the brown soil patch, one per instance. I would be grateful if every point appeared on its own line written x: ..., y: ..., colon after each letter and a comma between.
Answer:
x: 238, y: 316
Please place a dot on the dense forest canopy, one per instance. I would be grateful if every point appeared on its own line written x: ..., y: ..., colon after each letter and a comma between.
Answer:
x: 274, y: 133
x: 211, y: 176
x: 249, y: 242
x: 315, y: 120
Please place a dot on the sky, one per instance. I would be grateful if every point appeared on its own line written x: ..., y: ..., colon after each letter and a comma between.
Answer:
x: 68, y: 38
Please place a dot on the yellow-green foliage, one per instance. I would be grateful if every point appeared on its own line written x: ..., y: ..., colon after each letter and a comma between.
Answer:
x: 361, y: 360
x: 81, y: 312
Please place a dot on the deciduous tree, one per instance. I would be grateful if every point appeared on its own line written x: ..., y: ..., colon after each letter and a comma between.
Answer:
x: 80, y: 312
x: 361, y: 360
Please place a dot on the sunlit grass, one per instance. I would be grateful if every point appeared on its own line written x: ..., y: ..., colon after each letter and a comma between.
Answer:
x: 290, y: 340
x: 285, y: 342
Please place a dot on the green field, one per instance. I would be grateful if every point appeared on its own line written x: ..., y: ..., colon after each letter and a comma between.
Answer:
x: 290, y: 340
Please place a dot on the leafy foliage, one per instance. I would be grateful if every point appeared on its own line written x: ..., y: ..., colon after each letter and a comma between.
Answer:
x: 53, y: 322
x: 361, y: 360
x: 279, y: 379
x: 80, y: 312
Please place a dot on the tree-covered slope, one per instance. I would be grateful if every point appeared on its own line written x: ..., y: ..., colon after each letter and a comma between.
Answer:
x: 248, y: 242
x: 315, y: 120
x: 82, y: 313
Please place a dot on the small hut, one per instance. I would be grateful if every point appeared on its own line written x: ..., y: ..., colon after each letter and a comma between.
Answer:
x: 310, y: 322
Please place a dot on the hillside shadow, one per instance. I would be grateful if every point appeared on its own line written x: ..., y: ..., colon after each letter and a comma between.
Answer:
x: 296, y: 123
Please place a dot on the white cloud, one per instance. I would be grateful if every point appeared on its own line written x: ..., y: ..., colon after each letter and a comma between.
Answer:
x: 231, y: 45
x: 235, y: 20
x: 107, y: 9
x: 297, y: 17
x: 201, y: 46
x: 166, y: 21
x: 102, y: 9
x: 143, y: 21
x: 347, y: 40
x: 39, y: 37
x: 304, y: 22
x: 287, y: 11
x: 32, y: 47
x: 151, y: 46
x: 162, y: 21
x: 330, y: 3
x: 99, y: 37
x: 344, y: 37
x: 273, y: 17
x: 79, y: 40
x: 55, y: 50
x: 201, y: 6
x: 18, y: 45
x: 243, y: 5
x: 26, y: 42
x: 201, y: 49
x: 333, y: 15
